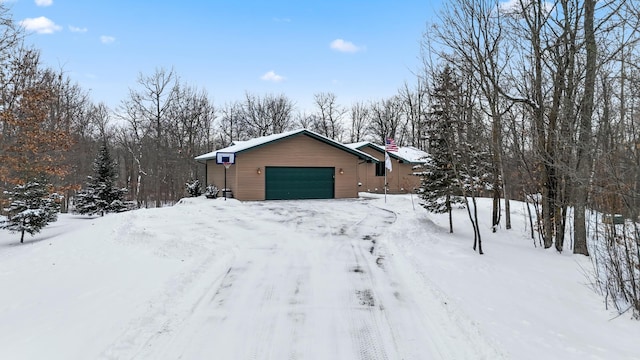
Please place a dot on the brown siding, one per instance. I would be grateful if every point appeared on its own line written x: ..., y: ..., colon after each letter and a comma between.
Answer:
x: 215, y: 175
x: 371, y: 182
x: 400, y: 179
x: 300, y: 151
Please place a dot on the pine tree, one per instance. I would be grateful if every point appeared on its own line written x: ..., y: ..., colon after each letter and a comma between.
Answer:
x: 31, y: 208
x: 101, y: 194
x: 440, y: 185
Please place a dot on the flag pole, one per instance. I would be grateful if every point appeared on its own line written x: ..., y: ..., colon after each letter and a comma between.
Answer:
x: 385, y: 173
x: 388, y: 144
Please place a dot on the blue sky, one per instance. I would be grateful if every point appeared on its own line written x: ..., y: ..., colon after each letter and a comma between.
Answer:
x: 359, y: 50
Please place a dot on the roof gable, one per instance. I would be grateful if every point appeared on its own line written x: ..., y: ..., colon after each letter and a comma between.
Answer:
x: 242, y: 146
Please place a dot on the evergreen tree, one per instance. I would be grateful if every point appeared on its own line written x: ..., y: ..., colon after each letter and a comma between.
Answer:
x: 440, y: 186
x: 31, y: 208
x: 101, y: 194
x: 193, y: 188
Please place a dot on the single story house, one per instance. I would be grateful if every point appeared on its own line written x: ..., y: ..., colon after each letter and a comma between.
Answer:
x: 299, y: 164
x: 400, y: 179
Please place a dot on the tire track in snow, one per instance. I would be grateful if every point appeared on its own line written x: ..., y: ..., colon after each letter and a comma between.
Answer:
x: 247, y: 315
x: 447, y: 326
x: 367, y: 336
x: 162, y: 318
x: 370, y: 336
x: 399, y: 315
x: 265, y: 326
x: 297, y: 317
x: 386, y: 293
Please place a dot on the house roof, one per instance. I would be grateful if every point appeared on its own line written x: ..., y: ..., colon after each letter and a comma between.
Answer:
x: 408, y: 154
x: 241, y: 146
x: 413, y: 154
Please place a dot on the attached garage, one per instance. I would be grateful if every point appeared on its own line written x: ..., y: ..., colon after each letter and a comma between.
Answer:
x: 299, y: 164
x: 287, y: 183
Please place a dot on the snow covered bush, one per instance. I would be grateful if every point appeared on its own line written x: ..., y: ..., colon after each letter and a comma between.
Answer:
x: 193, y: 188
x: 211, y: 191
x: 31, y: 208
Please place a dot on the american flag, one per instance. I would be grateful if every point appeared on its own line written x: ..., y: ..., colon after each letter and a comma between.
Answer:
x: 391, y: 145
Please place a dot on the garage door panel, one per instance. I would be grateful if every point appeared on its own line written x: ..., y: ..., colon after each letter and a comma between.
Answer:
x: 299, y: 183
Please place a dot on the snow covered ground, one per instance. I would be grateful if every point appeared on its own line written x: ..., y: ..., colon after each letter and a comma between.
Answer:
x: 323, y: 279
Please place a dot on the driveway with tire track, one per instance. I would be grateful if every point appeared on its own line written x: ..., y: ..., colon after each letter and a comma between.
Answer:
x: 315, y: 280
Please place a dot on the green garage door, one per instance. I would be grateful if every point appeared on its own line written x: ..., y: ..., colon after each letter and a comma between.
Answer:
x: 299, y: 182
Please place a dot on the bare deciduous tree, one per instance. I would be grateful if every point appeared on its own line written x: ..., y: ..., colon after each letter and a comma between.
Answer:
x: 360, y: 118
x: 414, y: 103
x: 386, y: 119
x: 328, y: 118
x: 147, y: 111
x: 266, y: 115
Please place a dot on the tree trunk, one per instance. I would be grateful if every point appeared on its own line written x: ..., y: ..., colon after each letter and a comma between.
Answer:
x: 496, y: 149
x: 505, y: 195
x: 507, y: 210
x: 450, y: 215
x: 547, y: 209
x: 495, y: 217
x: 584, y: 140
x: 476, y: 225
x: 530, y: 222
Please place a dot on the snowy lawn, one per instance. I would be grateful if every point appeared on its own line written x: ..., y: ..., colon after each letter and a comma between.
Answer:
x: 324, y: 279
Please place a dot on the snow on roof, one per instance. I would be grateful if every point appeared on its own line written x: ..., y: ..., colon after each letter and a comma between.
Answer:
x: 413, y: 154
x: 406, y: 153
x: 357, y: 145
x: 239, y: 146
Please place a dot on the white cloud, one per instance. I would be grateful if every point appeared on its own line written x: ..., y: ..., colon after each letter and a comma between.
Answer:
x: 344, y: 46
x: 515, y: 7
x: 41, y: 25
x: 272, y: 76
x: 511, y: 7
x: 105, y: 39
x: 284, y: 20
x: 44, y: 2
x: 77, y: 29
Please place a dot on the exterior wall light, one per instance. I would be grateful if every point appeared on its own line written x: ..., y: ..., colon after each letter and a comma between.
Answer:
x: 341, y: 172
x: 259, y: 171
